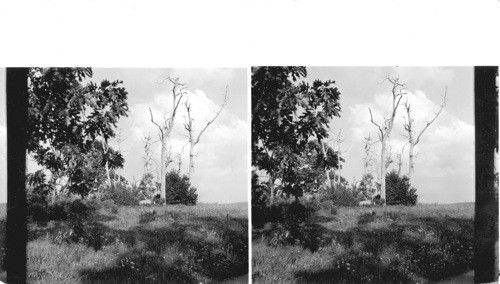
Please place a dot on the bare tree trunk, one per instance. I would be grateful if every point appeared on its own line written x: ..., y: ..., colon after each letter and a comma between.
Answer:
x: 383, y: 170
x: 188, y: 125
x: 191, y: 159
x: 411, y: 139
x: 327, y: 171
x: 486, y: 206
x: 165, y: 129
x: 108, y: 176
x: 163, y: 190
x: 411, y: 162
x: 385, y: 130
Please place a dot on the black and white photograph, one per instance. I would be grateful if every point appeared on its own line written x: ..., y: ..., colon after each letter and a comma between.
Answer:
x: 367, y: 174
x: 249, y: 141
x: 134, y: 175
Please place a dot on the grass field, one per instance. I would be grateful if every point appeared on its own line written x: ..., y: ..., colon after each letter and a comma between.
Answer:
x: 3, y: 235
x: 395, y: 244
x: 157, y: 244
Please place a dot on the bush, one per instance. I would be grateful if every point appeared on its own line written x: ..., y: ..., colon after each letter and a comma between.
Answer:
x: 288, y: 224
x: 340, y: 196
x: 399, y: 190
x: 179, y: 189
x: 121, y: 195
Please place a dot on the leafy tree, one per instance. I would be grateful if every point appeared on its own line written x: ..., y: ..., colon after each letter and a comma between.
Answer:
x: 286, y: 113
x: 179, y: 189
x: 399, y: 190
x: 311, y: 173
x: 70, y: 121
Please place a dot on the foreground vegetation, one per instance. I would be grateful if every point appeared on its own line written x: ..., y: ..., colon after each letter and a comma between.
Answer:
x: 156, y: 244
x: 319, y: 243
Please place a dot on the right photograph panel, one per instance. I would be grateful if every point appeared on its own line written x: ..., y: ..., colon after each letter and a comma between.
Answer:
x: 363, y: 174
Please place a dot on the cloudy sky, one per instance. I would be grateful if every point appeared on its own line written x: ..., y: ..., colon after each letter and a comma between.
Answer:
x: 444, y: 164
x: 221, y: 162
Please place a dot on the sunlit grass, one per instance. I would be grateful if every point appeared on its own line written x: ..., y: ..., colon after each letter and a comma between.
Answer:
x: 393, y: 244
x: 180, y: 244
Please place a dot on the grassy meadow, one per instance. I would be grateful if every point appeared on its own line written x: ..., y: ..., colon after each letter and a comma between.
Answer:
x: 3, y: 235
x: 393, y: 244
x: 154, y: 244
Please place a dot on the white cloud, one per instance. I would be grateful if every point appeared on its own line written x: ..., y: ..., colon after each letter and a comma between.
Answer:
x: 221, y: 155
x: 445, y: 153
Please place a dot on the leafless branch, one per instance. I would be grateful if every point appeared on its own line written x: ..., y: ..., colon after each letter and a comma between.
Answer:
x: 213, y: 119
x: 371, y: 119
x: 443, y: 104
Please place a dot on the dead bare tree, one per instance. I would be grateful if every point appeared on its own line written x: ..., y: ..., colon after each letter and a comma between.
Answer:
x: 189, y: 126
x: 327, y: 171
x: 368, y: 159
x: 385, y: 129
x: 179, y: 159
x: 409, y: 127
x: 165, y: 128
x: 399, y: 156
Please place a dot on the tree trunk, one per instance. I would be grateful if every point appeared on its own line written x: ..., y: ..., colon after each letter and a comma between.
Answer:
x: 163, y: 191
x: 411, y: 162
x: 383, y: 170
x: 110, y: 183
x: 191, y: 160
x: 486, y: 205
x: 327, y: 171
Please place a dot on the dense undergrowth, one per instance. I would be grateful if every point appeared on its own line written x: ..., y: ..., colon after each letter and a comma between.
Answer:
x: 94, y: 243
x: 395, y: 244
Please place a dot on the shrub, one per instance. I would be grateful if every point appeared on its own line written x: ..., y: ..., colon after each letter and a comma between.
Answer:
x: 341, y: 196
x: 121, y: 195
x: 399, y: 190
x: 179, y: 189
x: 288, y: 224
x: 259, y: 191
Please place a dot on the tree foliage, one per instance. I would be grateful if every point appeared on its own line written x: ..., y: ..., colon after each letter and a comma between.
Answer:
x: 286, y: 114
x: 70, y: 121
x: 399, y: 190
x: 179, y: 189
x: 311, y: 172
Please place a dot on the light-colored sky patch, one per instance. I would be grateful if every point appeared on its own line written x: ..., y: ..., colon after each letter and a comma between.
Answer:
x: 221, y: 162
x: 444, y: 165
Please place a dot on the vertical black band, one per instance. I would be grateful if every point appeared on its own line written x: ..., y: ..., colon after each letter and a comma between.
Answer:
x: 17, y: 99
x: 486, y: 208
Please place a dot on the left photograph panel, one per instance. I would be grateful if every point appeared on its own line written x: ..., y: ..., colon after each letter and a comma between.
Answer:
x: 133, y: 175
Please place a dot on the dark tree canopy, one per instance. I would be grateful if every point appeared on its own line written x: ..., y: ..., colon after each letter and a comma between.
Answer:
x: 70, y: 121
x: 179, y: 189
x: 399, y: 190
x: 286, y: 114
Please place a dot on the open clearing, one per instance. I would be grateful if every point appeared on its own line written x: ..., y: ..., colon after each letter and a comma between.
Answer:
x: 156, y: 244
x: 395, y: 244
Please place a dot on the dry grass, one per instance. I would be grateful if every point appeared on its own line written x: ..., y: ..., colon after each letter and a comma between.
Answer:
x: 180, y: 244
x: 395, y: 244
